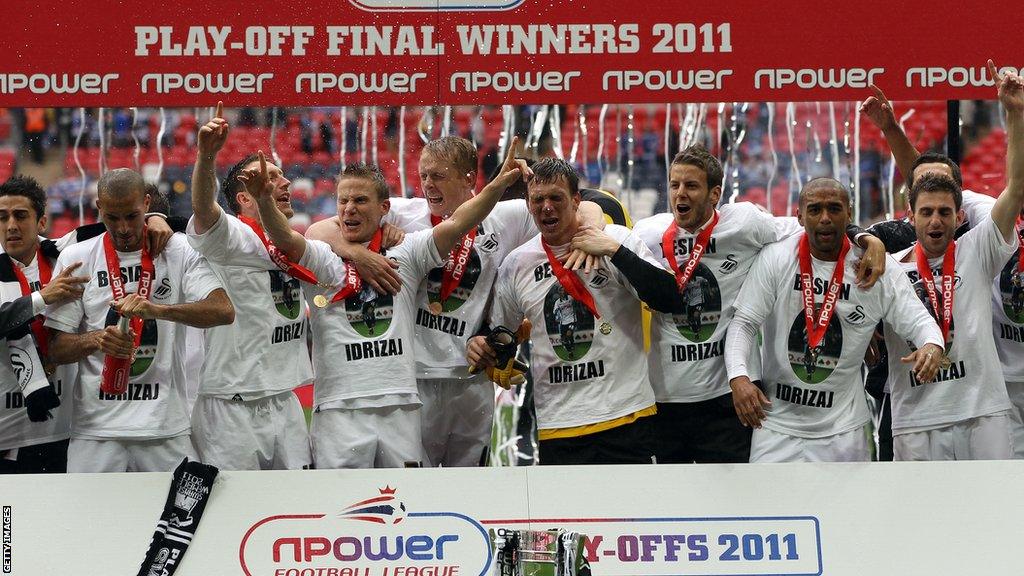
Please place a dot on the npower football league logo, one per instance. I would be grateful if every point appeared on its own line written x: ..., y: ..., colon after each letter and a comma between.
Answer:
x: 377, y: 536
x: 434, y: 5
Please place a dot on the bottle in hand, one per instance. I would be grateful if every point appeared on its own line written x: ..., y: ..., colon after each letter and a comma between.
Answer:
x: 116, y: 371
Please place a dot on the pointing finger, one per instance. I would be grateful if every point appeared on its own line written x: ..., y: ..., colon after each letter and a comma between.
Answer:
x: 220, y: 110
x: 994, y: 71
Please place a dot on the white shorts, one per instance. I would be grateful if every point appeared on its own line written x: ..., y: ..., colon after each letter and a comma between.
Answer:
x: 367, y: 437
x: 123, y: 455
x: 770, y: 446
x: 982, y: 438
x: 263, y: 434
x: 1016, y: 392
x: 456, y: 420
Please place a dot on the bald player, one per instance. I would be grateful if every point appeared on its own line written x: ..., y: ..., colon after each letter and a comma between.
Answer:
x: 799, y: 292
x: 146, y: 429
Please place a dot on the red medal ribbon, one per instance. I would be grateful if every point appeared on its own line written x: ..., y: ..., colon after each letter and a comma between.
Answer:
x: 353, y: 283
x: 948, y: 271
x: 570, y: 281
x: 117, y: 282
x: 816, y: 327
x: 45, y: 273
x: 283, y: 262
x: 458, y: 260
x: 668, y: 241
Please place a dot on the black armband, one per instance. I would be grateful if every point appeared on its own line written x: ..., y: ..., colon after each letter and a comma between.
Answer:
x: 655, y: 286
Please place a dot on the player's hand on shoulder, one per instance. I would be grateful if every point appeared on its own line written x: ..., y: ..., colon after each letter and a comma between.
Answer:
x: 65, y: 287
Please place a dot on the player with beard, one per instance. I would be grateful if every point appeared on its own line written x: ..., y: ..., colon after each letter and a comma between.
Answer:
x: 823, y: 422
x: 697, y: 420
x: 361, y: 419
x: 899, y: 235
x: 963, y: 414
x: 458, y: 406
x: 246, y: 416
x: 593, y: 404
x: 145, y: 429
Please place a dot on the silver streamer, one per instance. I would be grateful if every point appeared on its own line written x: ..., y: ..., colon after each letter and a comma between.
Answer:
x: 160, y: 145
x: 668, y: 135
x: 540, y: 118
x: 364, y: 127
x: 101, y: 125
x: 508, y: 115
x: 426, y: 125
x: 273, y: 139
x: 135, y: 138
x: 555, y: 124
x: 446, y: 121
x: 344, y: 137
x: 373, y: 134
x: 794, y: 179
x: 618, y: 145
x: 81, y: 170
x: 583, y: 135
x: 630, y: 151
x: 602, y: 162
x: 574, y: 150
x: 736, y: 137
x: 856, y: 165
x: 401, y: 152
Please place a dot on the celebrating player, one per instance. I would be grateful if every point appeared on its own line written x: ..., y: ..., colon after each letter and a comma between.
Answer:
x: 363, y: 420
x: 963, y: 413
x: 451, y: 302
x: 592, y: 393
x: 146, y: 428
x: 711, y: 252
x: 817, y: 415
x: 246, y: 416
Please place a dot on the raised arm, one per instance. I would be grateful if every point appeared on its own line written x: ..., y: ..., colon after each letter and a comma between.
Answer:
x: 1010, y: 201
x: 878, y: 109
x: 473, y: 211
x: 210, y: 140
x: 275, y: 224
x: 214, y: 310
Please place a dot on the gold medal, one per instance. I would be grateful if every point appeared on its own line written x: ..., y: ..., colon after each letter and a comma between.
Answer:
x: 606, y: 328
x: 320, y: 300
x: 435, y: 308
x: 945, y: 362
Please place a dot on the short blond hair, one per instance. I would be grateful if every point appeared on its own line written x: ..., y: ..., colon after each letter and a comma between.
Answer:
x: 457, y: 151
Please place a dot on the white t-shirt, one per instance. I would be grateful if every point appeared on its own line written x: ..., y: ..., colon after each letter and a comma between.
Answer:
x: 593, y: 369
x: 441, y: 339
x: 1008, y: 316
x: 16, y: 430
x: 823, y: 395
x: 155, y: 405
x: 689, y: 366
x: 363, y: 347
x: 973, y: 385
x: 264, y: 352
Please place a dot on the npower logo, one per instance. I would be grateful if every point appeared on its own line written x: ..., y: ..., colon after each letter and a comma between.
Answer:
x: 377, y: 536
x: 434, y: 5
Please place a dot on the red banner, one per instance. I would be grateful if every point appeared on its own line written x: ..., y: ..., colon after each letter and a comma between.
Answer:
x: 389, y: 52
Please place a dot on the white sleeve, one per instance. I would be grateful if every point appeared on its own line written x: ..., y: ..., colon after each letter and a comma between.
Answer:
x: 759, y: 292
x: 977, y: 207
x: 505, y: 309
x: 740, y: 345
x: 904, y: 311
x: 396, y: 216
x: 990, y: 246
x: 323, y: 262
x: 419, y: 251
x: 199, y: 280
x: 786, y: 226
x: 229, y: 242
x: 66, y: 317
